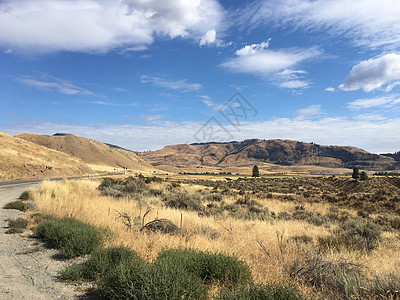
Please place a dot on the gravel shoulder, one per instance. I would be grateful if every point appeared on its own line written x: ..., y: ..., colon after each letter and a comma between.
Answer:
x: 27, y: 270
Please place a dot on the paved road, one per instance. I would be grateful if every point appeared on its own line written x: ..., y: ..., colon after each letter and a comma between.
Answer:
x: 33, y: 181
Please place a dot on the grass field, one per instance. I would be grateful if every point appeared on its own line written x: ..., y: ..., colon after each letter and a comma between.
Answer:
x: 284, y: 229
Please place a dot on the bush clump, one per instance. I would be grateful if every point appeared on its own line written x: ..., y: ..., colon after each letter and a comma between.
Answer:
x: 356, y: 234
x: 183, y: 200
x: 19, y: 205
x: 72, y: 237
x: 210, y: 267
x: 151, y: 281
x: 18, y: 223
x: 261, y: 292
x: 100, y: 263
x: 25, y: 196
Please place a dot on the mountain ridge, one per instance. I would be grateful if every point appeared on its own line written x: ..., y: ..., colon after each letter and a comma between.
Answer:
x: 276, y: 151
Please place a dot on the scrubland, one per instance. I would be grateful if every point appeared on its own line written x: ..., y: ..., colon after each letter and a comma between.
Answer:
x: 333, y: 238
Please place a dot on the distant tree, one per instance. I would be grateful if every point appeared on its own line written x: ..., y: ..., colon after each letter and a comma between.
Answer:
x: 356, y: 173
x: 256, y: 172
x: 363, y: 175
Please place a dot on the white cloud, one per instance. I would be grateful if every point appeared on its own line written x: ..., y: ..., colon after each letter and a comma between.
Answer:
x: 171, y: 84
x: 267, y: 61
x: 273, y: 65
x: 330, y: 89
x: 387, y: 101
x: 368, y: 23
x: 8, y: 51
x: 294, y: 84
x: 102, y: 25
x: 208, y: 38
x: 51, y: 84
x: 252, y: 49
x: 106, y: 103
x: 208, y: 102
x: 373, y: 73
x: 310, y: 111
x: 372, y: 135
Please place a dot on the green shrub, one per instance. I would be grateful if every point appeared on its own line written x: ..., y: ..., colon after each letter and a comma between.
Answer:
x: 183, y: 200
x: 151, y: 281
x: 261, y: 292
x: 18, y: 223
x: 72, y: 237
x: 361, y: 234
x: 25, y: 196
x: 100, y: 263
x: 19, y: 205
x: 13, y: 230
x: 210, y: 267
x: 356, y: 234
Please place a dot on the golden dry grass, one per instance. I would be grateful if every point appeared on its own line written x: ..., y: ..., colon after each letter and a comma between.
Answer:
x: 241, y: 238
x: 21, y: 159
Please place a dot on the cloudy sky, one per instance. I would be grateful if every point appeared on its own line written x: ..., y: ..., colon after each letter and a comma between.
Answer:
x: 143, y: 74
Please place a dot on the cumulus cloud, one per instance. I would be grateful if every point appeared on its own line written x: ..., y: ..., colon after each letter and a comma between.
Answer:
x: 208, y: 38
x: 369, y: 23
x: 102, y: 25
x: 387, y: 101
x: 371, y: 74
x: 376, y: 135
x: 53, y: 84
x: 182, y: 85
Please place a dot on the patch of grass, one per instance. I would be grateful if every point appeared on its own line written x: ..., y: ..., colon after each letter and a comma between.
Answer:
x: 72, y: 237
x: 18, y: 223
x: 261, y: 292
x: 210, y: 267
x: 25, y: 196
x: 336, y: 276
x: 19, y: 205
x: 388, y: 287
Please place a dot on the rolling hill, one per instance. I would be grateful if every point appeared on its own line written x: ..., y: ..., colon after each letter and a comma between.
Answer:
x: 269, y: 153
x: 21, y: 159
x: 96, y: 154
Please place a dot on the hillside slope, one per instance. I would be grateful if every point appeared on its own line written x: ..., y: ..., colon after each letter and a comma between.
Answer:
x: 20, y: 159
x: 275, y: 152
x: 89, y: 151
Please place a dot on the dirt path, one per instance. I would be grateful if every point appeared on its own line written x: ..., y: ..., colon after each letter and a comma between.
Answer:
x: 25, y: 272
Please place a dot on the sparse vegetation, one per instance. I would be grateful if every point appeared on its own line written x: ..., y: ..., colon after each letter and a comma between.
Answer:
x: 322, y: 235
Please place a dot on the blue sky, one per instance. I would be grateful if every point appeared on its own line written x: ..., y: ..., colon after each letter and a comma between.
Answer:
x: 145, y: 74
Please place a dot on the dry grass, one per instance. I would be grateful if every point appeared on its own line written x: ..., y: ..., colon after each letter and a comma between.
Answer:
x: 21, y: 159
x: 241, y: 238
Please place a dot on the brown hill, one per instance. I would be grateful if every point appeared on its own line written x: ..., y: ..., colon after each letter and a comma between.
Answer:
x: 271, y: 153
x: 20, y: 159
x: 92, y: 152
